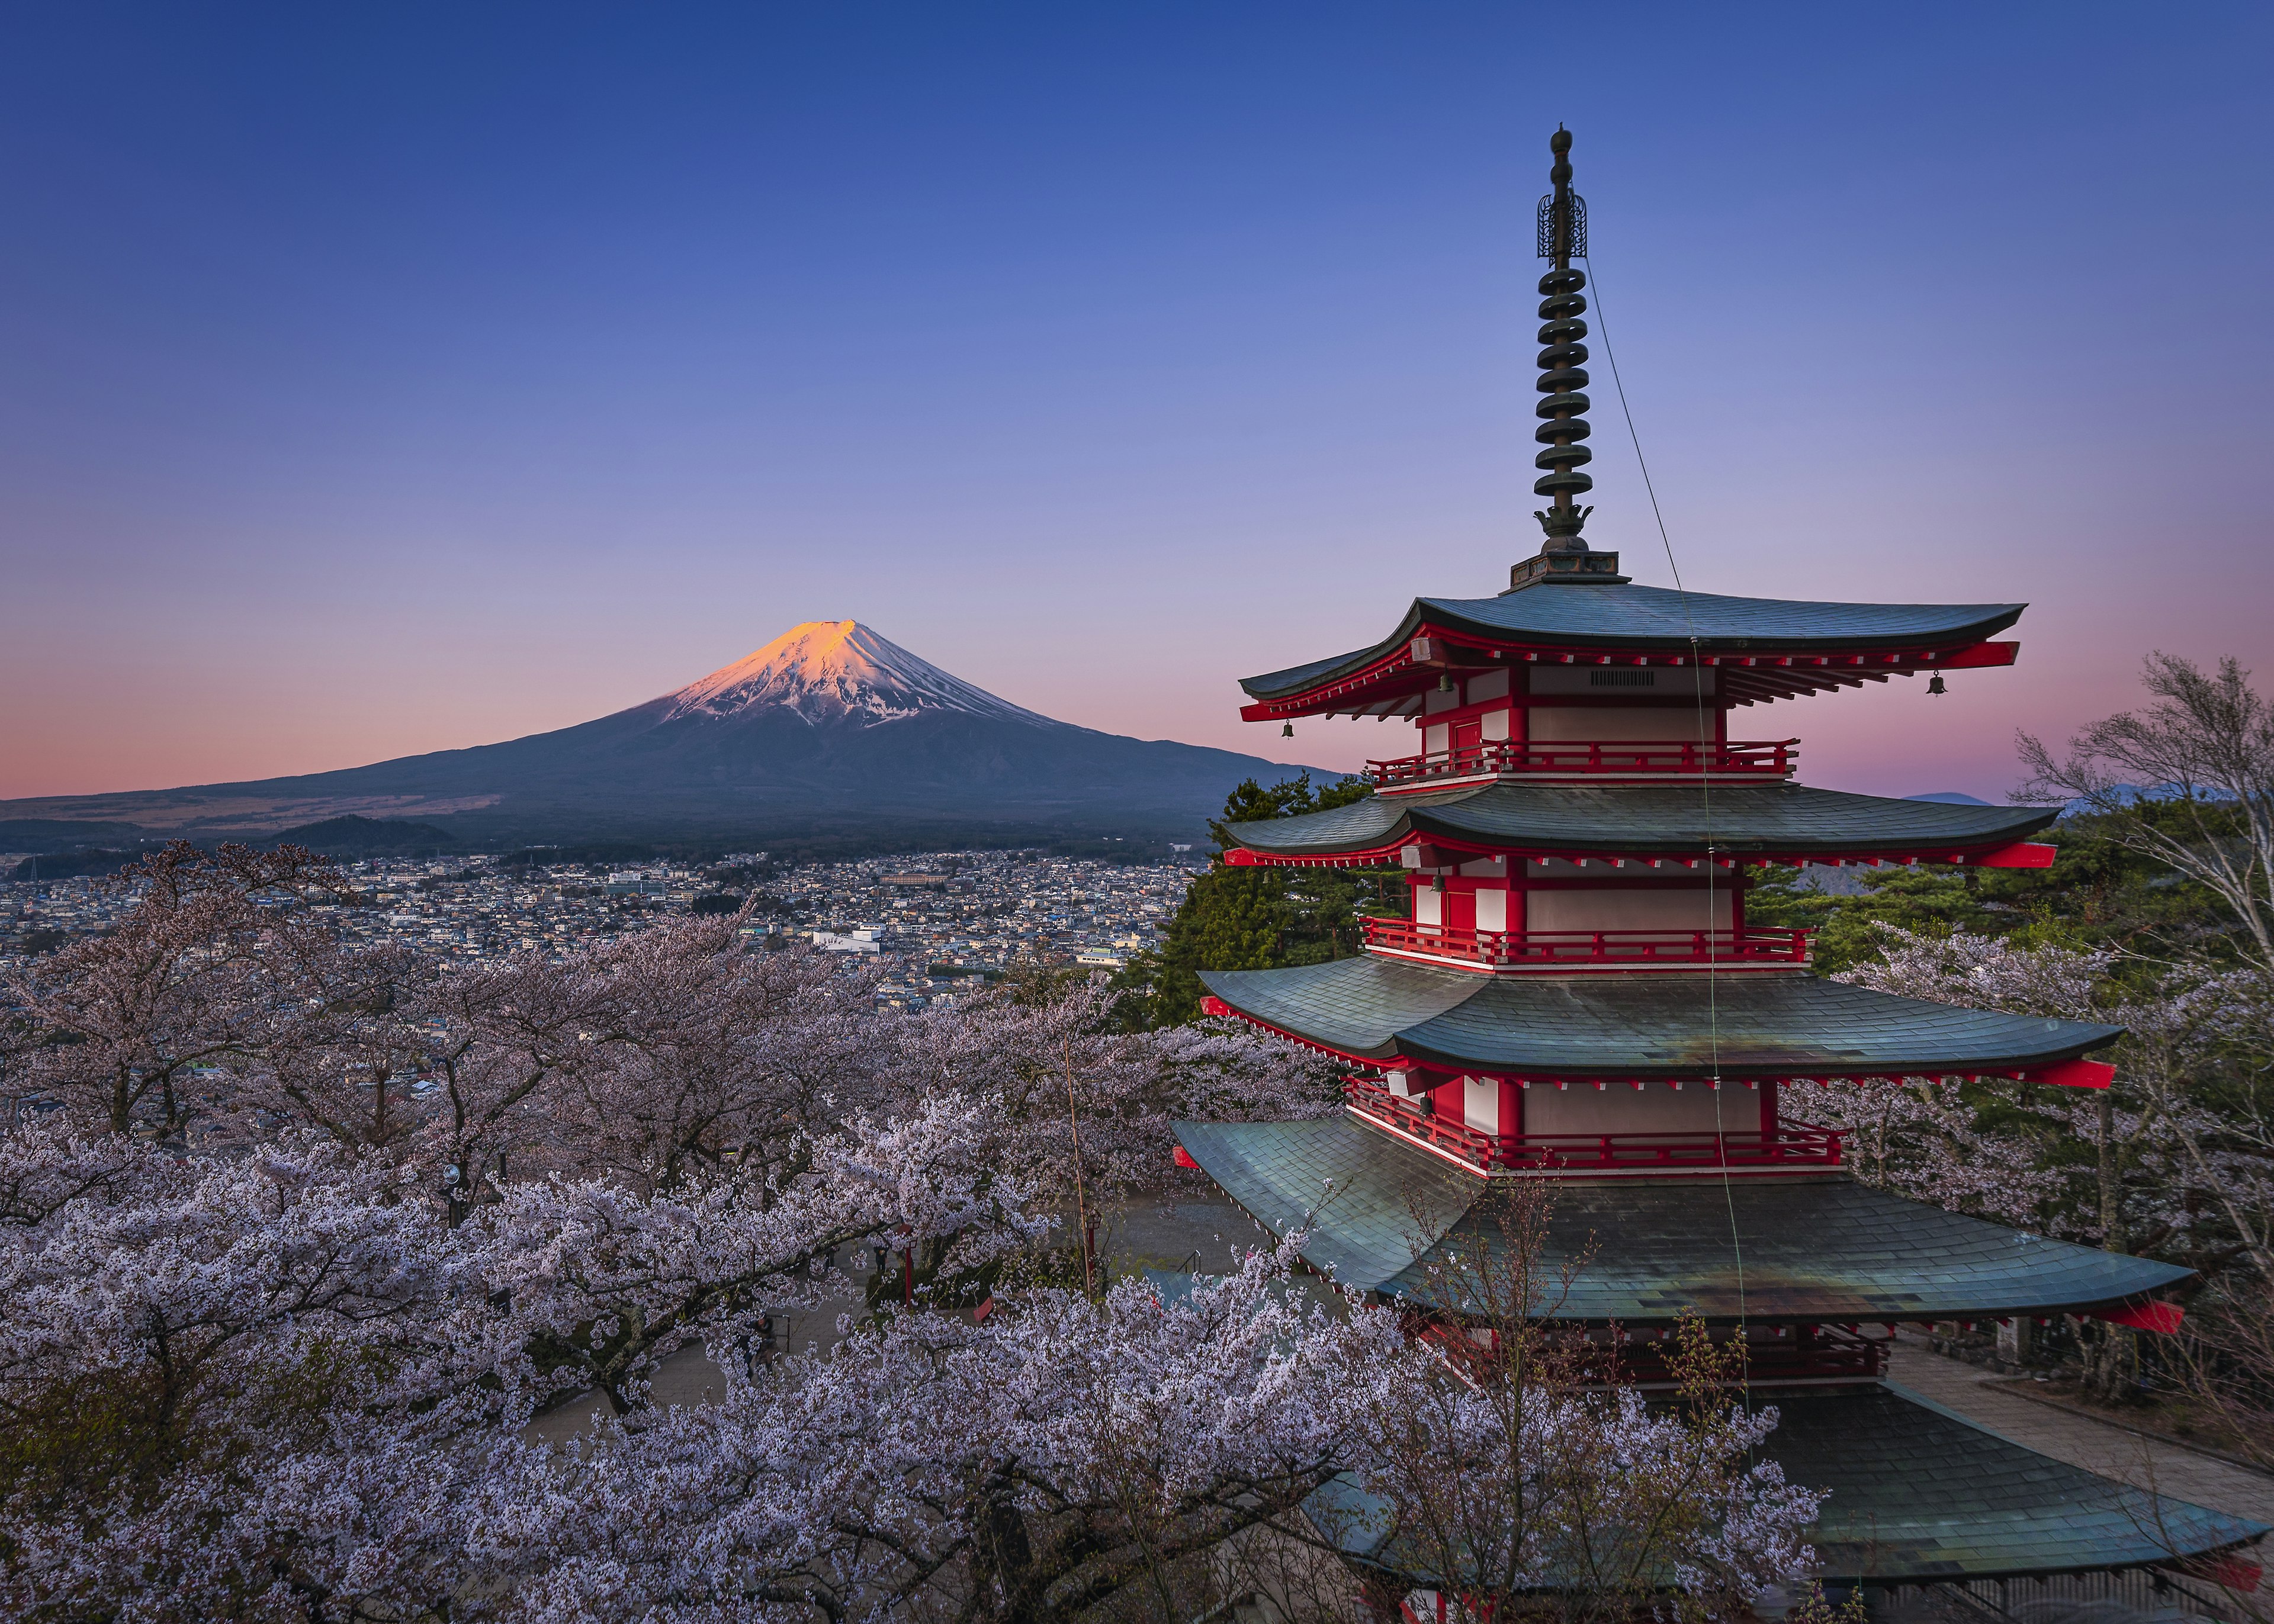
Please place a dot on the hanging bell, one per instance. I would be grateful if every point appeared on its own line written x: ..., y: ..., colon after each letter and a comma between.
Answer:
x: 1287, y: 729
x: 1934, y: 684
x: 1444, y: 682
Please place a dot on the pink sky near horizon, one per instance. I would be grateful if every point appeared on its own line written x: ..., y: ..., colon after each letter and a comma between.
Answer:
x: 359, y: 400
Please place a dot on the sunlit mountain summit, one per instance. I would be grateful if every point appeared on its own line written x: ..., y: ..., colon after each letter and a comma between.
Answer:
x: 829, y: 670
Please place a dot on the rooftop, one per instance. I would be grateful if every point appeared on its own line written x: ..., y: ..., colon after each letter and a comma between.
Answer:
x: 1621, y: 1027
x: 1784, y: 820
x: 1921, y: 1494
x: 1820, y: 1248
x: 1607, y: 619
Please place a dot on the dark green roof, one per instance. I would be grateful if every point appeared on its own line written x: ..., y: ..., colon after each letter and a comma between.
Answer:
x: 1649, y: 618
x: 1634, y: 1024
x: 1819, y: 1248
x: 1919, y: 1493
x: 1646, y: 819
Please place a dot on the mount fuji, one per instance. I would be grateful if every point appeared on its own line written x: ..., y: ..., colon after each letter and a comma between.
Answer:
x: 829, y: 730
x: 829, y: 672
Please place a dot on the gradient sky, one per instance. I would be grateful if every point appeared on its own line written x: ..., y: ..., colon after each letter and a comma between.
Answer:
x: 380, y: 380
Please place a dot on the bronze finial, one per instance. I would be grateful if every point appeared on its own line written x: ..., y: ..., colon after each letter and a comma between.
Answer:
x: 1562, y: 233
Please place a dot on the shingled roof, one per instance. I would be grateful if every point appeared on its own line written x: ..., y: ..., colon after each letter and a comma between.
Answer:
x: 1919, y: 1494
x: 1649, y: 618
x: 1673, y: 819
x: 1639, y: 1026
x: 1375, y: 1212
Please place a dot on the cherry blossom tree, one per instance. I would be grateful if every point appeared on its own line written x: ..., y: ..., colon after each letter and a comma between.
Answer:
x: 2165, y: 1152
x: 274, y: 1340
x: 177, y: 1325
x: 1086, y: 1109
x: 2181, y: 1161
x: 282, y: 1383
x: 1922, y: 1138
x: 665, y: 1054
x: 204, y: 1353
x: 1062, y: 1452
x: 122, y: 1024
x: 1517, y: 1479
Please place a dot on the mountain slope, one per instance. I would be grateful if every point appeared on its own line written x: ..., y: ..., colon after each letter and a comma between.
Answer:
x: 827, y: 727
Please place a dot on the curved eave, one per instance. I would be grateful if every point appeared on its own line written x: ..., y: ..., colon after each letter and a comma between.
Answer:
x: 1771, y: 647
x: 1785, y: 822
x: 1372, y: 1010
x: 1919, y: 1495
x: 1380, y: 1216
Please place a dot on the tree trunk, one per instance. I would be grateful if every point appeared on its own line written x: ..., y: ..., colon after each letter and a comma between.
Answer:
x: 2112, y: 1206
x: 1005, y: 1557
x: 2111, y: 1360
x: 2112, y: 1364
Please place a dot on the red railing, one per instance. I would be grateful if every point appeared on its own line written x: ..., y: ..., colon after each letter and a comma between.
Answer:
x: 1789, y: 1144
x: 1537, y: 948
x: 1480, y: 1150
x: 1766, y: 759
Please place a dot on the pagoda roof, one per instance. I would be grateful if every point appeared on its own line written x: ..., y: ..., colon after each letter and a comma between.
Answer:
x: 1919, y: 1494
x: 1669, y: 819
x: 1377, y: 1213
x: 1602, y: 617
x: 1620, y: 1026
x: 1920, y: 1490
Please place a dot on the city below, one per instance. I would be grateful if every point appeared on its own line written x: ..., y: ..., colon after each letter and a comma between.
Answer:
x: 931, y: 920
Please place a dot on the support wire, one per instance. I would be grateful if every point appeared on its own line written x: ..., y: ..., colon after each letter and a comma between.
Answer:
x: 1705, y: 789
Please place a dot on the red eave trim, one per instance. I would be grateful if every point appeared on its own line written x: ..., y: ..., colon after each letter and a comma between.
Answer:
x: 1981, y: 654
x: 2014, y: 855
x: 2075, y: 1074
x: 2164, y: 1319
x: 2020, y: 854
x: 1241, y: 857
x: 1213, y: 1005
x: 1793, y: 673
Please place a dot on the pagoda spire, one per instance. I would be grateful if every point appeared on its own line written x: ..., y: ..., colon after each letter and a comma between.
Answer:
x: 1564, y: 426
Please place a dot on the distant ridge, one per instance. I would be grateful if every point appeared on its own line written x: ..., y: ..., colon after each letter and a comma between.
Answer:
x: 828, y: 732
x: 1953, y: 798
x: 336, y: 835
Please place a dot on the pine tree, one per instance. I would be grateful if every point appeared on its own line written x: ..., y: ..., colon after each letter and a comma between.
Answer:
x: 1254, y: 918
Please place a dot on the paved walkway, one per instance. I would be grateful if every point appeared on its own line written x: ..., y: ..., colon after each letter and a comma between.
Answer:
x: 2169, y: 1469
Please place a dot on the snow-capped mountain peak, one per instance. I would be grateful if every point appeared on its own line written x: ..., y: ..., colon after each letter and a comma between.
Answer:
x: 829, y: 670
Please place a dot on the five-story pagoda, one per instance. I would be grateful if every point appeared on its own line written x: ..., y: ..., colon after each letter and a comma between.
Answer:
x: 1575, y: 995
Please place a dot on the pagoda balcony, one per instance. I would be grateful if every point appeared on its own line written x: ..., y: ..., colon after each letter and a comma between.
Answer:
x: 1789, y: 1147
x: 1622, y: 758
x: 1752, y: 947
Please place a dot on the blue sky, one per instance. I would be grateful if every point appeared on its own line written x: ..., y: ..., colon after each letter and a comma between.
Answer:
x: 392, y: 380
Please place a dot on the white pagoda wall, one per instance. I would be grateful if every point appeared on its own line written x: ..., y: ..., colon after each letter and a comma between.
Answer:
x: 1628, y: 908
x: 1656, y: 1109
x: 1552, y: 723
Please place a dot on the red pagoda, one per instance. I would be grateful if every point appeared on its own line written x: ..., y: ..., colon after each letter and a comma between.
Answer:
x: 1575, y: 995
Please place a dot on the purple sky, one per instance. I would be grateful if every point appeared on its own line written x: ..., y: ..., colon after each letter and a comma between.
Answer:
x: 381, y: 381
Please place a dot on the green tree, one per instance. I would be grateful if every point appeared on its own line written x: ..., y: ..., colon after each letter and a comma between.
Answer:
x: 1244, y: 918
x: 2101, y: 892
